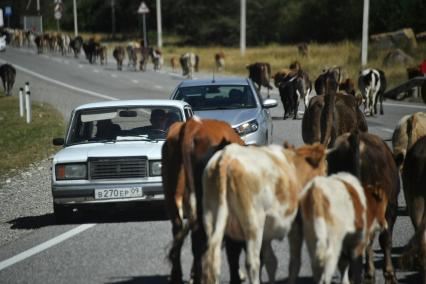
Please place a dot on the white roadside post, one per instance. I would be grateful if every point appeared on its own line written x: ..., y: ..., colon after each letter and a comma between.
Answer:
x: 21, y: 102
x: 27, y: 102
x: 143, y: 10
x: 364, y: 43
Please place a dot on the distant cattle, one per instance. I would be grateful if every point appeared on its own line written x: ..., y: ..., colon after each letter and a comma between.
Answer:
x: 187, y: 149
x: 219, y: 59
x: 337, y: 225
x: 102, y: 53
x: 303, y: 50
x: 145, y: 54
x: 76, y: 45
x: 188, y: 62
x: 118, y: 53
x: 132, y: 55
x: 260, y: 74
x: 157, y: 58
x: 408, y: 130
x: 38, y: 40
x: 372, y: 83
x: 90, y: 49
x: 174, y: 63
x: 251, y: 194
x: 331, y: 115
x: 414, y: 184
x: 335, y: 72
x: 369, y: 158
x: 7, y: 75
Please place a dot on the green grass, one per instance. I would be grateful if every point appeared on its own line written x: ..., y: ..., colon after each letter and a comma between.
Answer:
x: 22, y: 144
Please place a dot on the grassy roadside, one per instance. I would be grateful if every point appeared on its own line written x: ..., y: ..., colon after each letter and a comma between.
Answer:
x: 22, y: 143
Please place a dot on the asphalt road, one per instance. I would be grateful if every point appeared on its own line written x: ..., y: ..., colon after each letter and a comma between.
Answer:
x: 130, y: 246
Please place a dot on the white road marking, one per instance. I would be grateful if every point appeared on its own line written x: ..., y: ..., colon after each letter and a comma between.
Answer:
x: 44, y: 246
x: 135, y: 81
x: 91, y: 93
x: 66, y: 62
x: 386, y: 129
x: 80, y: 66
x: 113, y: 75
x: 96, y: 70
x: 403, y: 105
x: 158, y: 87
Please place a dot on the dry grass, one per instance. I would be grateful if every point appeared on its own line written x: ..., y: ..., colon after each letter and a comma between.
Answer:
x: 22, y: 143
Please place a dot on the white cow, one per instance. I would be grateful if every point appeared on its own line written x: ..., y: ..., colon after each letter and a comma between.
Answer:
x: 372, y: 83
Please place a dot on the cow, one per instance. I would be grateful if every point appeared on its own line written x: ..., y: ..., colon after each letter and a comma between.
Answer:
x: 414, y: 184
x: 260, y: 73
x: 288, y: 86
x: 303, y: 49
x: 76, y: 45
x: 173, y: 63
x: 372, y: 83
x: 132, y: 55
x: 320, y: 83
x: 157, y: 58
x: 38, y: 40
x: 145, y: 54
x: 102, y: 52
x: 118, y: 54
x: 369, y: 158
x: 408, y: 130
x: 337, y: 224
x: 251, y: 194
x: 7, y: 75
x: 219, y: 59
x: 331, y: 115
x: 90, y: 49
x: 188, y: 63
x: 187, y: 148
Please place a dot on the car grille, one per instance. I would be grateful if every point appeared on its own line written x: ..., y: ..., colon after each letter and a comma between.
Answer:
x: 116, y: 168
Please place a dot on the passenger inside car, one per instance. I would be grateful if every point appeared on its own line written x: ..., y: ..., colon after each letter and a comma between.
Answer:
x: 105, y: 129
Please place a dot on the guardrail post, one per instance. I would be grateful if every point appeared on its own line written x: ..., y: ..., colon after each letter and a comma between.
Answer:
x: 21, y: 102
x: 28, y: 106
x: 27, y: 87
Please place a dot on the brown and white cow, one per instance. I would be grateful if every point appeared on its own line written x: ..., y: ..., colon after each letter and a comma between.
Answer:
x: 408, y: 130
x: 187, y: 149
x: 331, y: 115
x: 251, y: 194
x: 414, y: 184
x: 369, y: 158
x: 189, y: 64
x: 219, y: 59
x: 337, y: 223
x: 260, y: 74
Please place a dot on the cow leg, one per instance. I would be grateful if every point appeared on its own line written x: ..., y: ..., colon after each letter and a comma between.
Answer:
x: 233, y: 252
x: 381, y: 104
x: 385, y: 240
x: 253, y: 258
x: 268, y: 259
x: 295, y: 238
x: 370, y: 270
x: 175, y: 252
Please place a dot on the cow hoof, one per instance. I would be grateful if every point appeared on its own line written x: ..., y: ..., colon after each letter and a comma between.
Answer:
x: 369, y: 279
x: 390, y: 278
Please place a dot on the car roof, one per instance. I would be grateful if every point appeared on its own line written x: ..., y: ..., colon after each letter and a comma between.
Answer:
x: 124, y: 103
x: 215, y: 81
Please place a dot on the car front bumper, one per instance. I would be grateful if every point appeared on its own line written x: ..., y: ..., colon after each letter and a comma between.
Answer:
x: 85, y: 194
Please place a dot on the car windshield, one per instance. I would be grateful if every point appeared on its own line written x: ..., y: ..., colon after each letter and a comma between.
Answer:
x: 122, y: 124
x: 217, y: 97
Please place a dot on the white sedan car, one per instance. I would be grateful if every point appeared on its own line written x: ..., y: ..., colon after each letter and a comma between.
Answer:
x: 112, y: 153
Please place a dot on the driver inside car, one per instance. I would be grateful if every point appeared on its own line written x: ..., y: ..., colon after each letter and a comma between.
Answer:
x: 157, y: 119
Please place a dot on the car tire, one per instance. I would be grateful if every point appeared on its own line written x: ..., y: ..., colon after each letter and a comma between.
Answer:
x: 62, y: 213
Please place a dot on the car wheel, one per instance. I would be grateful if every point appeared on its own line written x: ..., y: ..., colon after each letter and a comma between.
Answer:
x: 62, y: 213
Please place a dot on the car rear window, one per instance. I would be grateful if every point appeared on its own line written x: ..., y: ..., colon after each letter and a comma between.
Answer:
x: 217, y: 97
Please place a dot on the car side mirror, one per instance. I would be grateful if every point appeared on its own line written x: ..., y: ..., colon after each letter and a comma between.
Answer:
x: 269, y: 103
x: 58, y: 141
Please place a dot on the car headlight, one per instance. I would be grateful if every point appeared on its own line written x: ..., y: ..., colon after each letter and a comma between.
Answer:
x: 248, y: 127
x: 155, y: 168
x: 71, y: 171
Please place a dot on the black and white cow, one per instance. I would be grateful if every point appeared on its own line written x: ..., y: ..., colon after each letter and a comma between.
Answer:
x: 372, y: 83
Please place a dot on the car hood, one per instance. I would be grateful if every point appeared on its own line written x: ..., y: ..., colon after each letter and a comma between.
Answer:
x: 233, y: 116
x: 81, y: 152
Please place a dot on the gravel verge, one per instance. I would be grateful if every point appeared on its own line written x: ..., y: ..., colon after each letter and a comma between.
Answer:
x: 25, y: 201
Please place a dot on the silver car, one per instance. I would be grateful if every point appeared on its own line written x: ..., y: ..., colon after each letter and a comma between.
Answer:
x: 112, y: 153
x: 234, y: 100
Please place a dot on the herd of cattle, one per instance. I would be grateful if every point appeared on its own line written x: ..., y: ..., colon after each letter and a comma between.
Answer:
x: 336, y: 193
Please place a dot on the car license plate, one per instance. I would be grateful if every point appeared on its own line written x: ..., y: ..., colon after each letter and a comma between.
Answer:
x: 123, y: 192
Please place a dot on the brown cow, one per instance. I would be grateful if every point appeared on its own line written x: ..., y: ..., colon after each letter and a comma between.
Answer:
x: 414, y: 184
x: 369, y: 158
x: 252, y: 194
x: 408, y: 130
x: 260, y: 74
x: 185, y: 153
x: 219, y: 59
x: 118, y: 54
x: 335, y: 72
x: 331, y: 115
x: 174, y: 64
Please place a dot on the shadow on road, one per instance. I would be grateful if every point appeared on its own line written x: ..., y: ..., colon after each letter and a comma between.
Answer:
x: 154, y: 279
x: 102, y: 214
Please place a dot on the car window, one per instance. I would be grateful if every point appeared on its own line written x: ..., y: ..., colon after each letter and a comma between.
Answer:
x: 217, y: 97
x: 113, y: 124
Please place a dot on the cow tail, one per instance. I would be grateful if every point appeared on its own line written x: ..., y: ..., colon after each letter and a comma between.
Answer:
x: 327, y: 114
